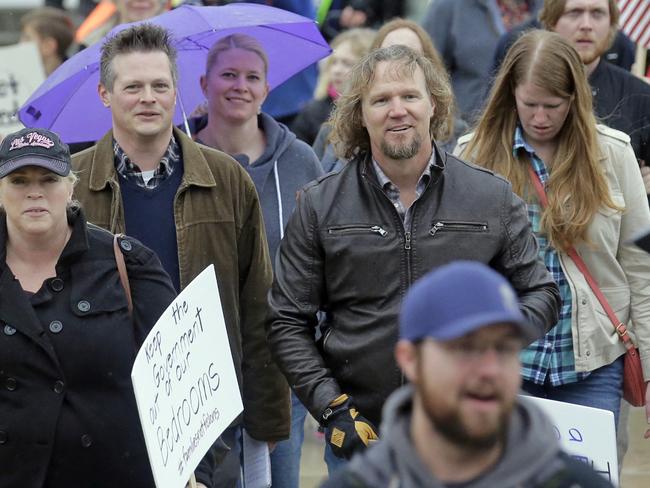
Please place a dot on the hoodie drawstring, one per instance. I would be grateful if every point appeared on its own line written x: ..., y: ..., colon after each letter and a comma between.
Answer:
x: 279, y: 195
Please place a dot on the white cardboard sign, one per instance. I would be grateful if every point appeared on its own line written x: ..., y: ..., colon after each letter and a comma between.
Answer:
x: 21, y: 72
x: 185, y: 382
x: 587, y: 434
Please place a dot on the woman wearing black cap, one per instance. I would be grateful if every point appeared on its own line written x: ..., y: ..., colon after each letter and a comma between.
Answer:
x: 67, y: 340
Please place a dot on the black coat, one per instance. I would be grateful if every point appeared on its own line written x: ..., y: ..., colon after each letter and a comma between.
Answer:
x: 345, y: 251
x: 67, y: 411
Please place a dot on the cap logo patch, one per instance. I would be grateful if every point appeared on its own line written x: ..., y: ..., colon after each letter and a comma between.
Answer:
x: 508, y: 297
x: 32, y: 139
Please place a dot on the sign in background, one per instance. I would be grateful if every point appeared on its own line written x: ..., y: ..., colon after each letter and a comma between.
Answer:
x: 185, y: 382
x: 21, y: 72
x: 587, y: 434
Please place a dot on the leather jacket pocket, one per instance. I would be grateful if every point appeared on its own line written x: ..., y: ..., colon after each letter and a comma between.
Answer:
x: 357, y: 229
x: 457, y: 226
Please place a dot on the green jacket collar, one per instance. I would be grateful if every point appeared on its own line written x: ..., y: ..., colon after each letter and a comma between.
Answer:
x: 195, y: 167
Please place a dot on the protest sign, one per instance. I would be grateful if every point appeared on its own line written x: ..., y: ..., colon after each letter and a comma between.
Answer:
x: 185, y: 382
x: 588, y: 434
x: 21, y: 72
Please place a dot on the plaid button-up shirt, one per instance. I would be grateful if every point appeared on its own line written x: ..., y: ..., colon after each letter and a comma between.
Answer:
x: 132, y: 172
x: 391, y: 190
x: 549, y: 359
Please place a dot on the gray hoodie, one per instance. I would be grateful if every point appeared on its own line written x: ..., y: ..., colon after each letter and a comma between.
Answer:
x: 531, y: 458
x: 286, y: 165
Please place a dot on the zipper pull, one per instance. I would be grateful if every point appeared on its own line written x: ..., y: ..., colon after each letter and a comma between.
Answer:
x: 436, y: 228
x: 379, y: 230
x: 407, y: 241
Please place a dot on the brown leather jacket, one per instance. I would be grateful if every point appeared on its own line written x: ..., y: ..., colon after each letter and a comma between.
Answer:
x: 218, y: 221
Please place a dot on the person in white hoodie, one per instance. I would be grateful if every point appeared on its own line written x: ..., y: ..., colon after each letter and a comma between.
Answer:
x: 460, y: 422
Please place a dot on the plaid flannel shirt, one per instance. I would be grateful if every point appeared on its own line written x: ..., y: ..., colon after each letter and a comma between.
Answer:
x: 132, y: 172
x: 549, y: 359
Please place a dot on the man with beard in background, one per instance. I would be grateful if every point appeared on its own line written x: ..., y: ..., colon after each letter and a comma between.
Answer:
x: 621, y: 100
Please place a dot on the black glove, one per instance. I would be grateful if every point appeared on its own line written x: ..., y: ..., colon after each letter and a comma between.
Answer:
x: 346, y: 431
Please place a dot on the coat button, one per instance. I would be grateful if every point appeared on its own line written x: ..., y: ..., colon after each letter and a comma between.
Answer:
x: 584, y: 301
x: 58, y: 386
x: 125, y: 245
x: 3, y: 437
x: 588, y: 353
x: 10, y: 384
x: 83, y: 306
x: 86, y: 440
x: 9, y: 330
x: 56, y: 326
x: 56, y: 284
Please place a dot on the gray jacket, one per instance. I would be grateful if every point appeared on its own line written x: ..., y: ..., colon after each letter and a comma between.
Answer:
x: 532, y: 457
x: 466, y: 33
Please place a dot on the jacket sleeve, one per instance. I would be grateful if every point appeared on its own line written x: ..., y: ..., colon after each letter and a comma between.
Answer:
x: 266, y: 394
x: 295, y: 298
x: 519, y: 261
x: 634, y: 261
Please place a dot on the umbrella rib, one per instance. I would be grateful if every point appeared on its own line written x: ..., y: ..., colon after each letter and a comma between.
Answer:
x: 197, y: 42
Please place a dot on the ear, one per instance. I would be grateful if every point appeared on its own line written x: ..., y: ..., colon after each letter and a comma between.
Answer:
x: 48, y: 46
x: 406, y: 357
x: 104, y: 95
x: 267, y: 89
x: 203, y: 81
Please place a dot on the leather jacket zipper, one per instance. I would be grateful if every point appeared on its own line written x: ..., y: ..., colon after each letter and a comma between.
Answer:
x: 458, y: 226
x: 356, y: 229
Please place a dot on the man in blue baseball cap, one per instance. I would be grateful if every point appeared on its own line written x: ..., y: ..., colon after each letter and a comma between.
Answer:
x: 460, y: 421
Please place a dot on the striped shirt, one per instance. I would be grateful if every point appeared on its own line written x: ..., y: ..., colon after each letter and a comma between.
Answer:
x: 549, y: 359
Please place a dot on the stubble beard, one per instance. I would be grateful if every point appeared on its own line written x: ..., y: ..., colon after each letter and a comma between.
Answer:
x: 600, y: 49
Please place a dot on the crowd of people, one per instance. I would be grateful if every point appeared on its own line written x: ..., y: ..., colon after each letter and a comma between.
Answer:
x: 395, y: 252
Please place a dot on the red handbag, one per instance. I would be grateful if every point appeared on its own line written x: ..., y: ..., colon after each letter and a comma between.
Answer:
x: 634, y: 386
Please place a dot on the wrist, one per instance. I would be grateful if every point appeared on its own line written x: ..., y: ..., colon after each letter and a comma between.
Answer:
x: 339, y: 404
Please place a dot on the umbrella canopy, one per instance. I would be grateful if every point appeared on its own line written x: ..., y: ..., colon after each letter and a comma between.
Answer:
x: 68, y: 104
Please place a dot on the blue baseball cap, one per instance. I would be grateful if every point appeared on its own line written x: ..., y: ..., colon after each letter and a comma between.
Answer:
x: 457, y: 299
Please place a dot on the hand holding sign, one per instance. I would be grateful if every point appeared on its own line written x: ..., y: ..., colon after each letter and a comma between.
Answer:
x: 185, y: 383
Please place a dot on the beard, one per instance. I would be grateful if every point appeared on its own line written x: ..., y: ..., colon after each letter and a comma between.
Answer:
x: 399, y: 151
x: 452, y: 426
x: 453, y: 423
x: 599, y: 49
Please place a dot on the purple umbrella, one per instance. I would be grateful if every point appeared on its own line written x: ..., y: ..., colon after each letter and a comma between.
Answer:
x: 67, y: 101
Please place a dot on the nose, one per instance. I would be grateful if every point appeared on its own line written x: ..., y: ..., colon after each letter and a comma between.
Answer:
x: 489, y: 362
x: 148, y: 95
x: 585, y: 21
x: 396, y: 108
x: 35, y: 191
x: 240, y: 83
x: 540, y: 114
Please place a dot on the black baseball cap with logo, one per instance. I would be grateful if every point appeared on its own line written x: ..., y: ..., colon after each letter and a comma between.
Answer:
x: 34, y: 147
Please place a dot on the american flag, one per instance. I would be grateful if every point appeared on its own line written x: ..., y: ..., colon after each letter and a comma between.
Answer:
x: 635, y: 20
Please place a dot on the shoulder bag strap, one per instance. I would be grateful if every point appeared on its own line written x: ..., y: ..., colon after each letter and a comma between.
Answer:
x: 121, y: 267
x: 573, y: 254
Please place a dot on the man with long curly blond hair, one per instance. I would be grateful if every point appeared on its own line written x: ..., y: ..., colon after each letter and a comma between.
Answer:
x: 359, y: 238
